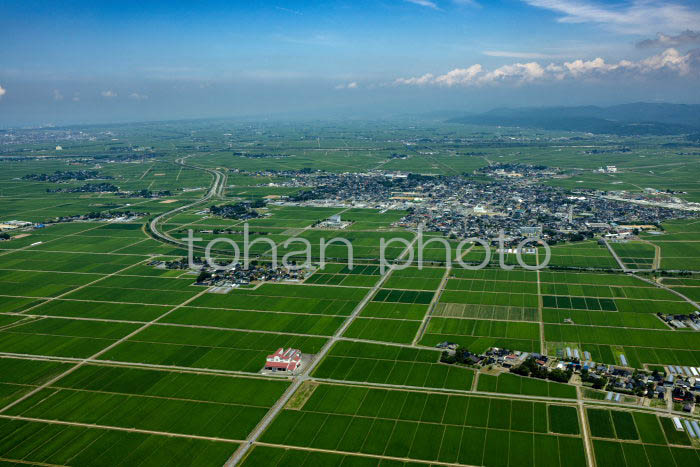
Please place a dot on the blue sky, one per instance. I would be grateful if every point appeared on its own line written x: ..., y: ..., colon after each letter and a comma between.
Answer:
x: 77, y: 61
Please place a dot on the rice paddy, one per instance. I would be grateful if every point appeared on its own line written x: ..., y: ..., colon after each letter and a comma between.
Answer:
x: 108, y: 359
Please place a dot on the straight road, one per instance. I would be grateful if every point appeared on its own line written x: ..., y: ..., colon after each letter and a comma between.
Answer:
x: 305, y: 375
x: 617, y: 258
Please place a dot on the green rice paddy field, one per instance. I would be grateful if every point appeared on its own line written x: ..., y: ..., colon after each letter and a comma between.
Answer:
x: 431, y: 427
x: 106, y: 359
x: 382, y: 364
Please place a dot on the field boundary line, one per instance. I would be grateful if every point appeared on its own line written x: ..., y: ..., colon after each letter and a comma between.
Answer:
x: 146, y: 172
x: 146, y: 366
x: 585, y: 429
x: 91, y: 301
x: 20, y: 461
x: 57, y: 297
x: 359, y: 454
x: 44, y: 242
x: 118, y: 428
x: 95, y: 356
x: 540, y: 306
x: 83, y: 252
x: 509, y: 396
x: 431, y: 308
x: 130, y: 245
x: 219, y: 328
x: 149, y: 396
x: 44, y: 358
x: 186, y: 369
x: 16, y: 323
x: 668, y: 289
x: 242, y: 450
x: 57, y: 272
x: 298, y: 234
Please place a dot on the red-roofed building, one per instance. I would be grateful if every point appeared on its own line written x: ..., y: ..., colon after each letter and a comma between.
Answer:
x: 284, y: 360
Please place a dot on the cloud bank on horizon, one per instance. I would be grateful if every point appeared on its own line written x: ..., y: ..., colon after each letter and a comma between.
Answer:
x: 364, y: 55
x: 670, y: 60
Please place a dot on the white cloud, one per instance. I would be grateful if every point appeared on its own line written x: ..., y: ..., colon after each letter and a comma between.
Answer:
x: 523, y: 72
x: 580, y: 67
x: 108, y: 93
x: 668, y: 61
x: 138, y: 97
x: 459, y: 76
x: 425, y: 3
x: 664, y: 41
x: 2, y: 91
x: 57, y: 96
x: 76, y: 97
x: 419, y: 80
x: 631, y: 16
x: 351, y: 85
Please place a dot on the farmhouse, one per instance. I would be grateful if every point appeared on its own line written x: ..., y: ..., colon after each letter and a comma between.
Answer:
x: 284, y: 360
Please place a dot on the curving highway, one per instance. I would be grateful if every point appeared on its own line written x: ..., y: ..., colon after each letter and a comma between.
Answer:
x: 216, y: 191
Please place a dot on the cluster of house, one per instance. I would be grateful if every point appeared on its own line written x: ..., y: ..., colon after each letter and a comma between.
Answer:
x: 620, y: 380
x: 517, y: 170
x: 236, y: 276
x: 103, y: 187
x: 240, y: 276
x: 67, y: 175
x: 682, y: 383
x: 508, y: 358
x: 144, y: 194
x: 691, y: 321
x: 95, y: 216
x: 41, y: 136
x: 15, y: 225
x: 460, y: 208
x: 240, y: 211
x: 494, y: 356
x: 510, y: 200
x: 98, y: 216
x: 375, y: 189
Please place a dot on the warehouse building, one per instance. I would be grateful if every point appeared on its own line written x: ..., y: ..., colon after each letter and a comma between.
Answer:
x: 284, y: 360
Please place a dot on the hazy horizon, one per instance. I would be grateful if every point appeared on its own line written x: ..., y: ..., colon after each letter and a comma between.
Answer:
x: 82, y: 63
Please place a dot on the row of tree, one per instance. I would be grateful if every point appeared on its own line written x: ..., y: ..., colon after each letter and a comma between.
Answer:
x: 531, y: 368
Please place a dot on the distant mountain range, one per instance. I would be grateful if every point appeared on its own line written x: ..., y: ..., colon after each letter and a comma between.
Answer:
x: 626, y: 119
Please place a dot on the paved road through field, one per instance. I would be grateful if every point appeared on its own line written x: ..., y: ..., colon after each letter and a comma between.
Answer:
x: 215, y: 191
x: 305, y: 375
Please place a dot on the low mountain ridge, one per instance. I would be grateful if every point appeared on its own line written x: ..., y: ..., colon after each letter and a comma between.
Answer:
x: 626, y: 119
